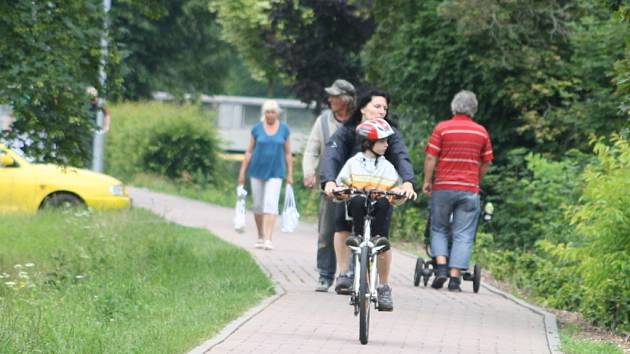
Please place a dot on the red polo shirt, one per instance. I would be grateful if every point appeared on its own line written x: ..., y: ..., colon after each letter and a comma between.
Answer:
x: 461, y: 146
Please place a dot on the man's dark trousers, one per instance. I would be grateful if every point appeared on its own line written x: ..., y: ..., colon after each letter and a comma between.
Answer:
x: 326, y: 260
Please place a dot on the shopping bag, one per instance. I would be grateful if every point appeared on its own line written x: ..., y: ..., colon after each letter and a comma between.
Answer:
x: 290, y: 215
x: 239, y: 209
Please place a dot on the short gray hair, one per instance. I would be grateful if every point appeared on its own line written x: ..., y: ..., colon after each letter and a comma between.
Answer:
x: 464, y: 102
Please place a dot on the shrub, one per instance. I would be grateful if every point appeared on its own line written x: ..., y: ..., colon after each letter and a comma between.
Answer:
x: 176, y: 141
x: 581, y: 258
x: 603, y: 220
x: 531, y: 194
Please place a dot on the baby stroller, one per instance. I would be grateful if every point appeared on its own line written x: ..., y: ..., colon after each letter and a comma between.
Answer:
x: 425, y: 269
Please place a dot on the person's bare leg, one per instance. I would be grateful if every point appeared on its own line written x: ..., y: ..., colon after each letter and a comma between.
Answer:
x: 342, y: 252
x: 440, y: 260
x: 384, y: 264
x: 259, y: 226
x: 269, y: 220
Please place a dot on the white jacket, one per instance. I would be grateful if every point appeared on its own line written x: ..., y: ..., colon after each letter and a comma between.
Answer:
x: 361, y: 172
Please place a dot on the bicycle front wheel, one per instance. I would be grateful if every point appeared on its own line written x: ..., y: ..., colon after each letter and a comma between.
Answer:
x: 364, y: 297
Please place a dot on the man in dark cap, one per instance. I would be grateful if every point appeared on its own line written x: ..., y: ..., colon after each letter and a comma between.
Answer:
x: 342, y: 100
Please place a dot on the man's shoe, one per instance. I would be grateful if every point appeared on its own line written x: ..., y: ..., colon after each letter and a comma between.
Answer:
x: 441, y: 274
x: 453, y: 284
x: 353, y: 241
x: 344, y: 284
x: 384, y: 294
x: 323, y: 285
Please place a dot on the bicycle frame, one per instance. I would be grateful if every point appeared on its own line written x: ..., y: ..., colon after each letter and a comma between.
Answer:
x: 365, y: 255
x: 365, y: 258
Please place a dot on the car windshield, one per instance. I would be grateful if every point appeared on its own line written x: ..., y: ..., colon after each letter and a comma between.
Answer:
x: 16, y: 148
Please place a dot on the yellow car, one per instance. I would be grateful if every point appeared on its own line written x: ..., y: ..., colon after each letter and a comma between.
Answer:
x: 27, y: 187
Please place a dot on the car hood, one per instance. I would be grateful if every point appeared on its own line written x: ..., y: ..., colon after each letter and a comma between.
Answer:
x: 51, y: 173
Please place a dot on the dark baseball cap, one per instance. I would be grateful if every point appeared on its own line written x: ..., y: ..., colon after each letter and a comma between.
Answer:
x: 340, y: 87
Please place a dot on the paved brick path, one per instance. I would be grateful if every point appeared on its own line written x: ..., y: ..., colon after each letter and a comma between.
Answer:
x: 300, y: 320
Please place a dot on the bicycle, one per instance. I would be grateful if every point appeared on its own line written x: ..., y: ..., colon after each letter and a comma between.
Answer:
x: 365, y: 258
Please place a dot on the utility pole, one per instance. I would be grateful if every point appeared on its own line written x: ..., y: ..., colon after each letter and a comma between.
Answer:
x: 99, y: 135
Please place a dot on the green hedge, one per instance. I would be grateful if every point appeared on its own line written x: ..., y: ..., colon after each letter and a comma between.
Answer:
x: 571, y: 249
x: 176, y: 141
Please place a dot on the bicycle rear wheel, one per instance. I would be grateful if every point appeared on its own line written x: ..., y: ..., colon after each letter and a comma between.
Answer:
x: 364, y: 297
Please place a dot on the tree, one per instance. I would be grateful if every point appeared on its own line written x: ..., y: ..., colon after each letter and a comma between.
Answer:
x: 305, y: 44
x: 243, y: 22
x: 49, y: 54
x: 540, y: 80
x: 174, y: 46
x: 316, y: 42
x: 622, y: 67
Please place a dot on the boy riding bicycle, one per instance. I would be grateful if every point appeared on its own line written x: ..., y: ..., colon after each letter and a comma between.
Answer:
x: 368, y: 170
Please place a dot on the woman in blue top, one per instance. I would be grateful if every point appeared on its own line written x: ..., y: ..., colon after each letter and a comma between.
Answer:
x: 267, y: 162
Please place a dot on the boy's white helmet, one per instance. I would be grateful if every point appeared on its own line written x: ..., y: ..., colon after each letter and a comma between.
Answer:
x: 375, y: 129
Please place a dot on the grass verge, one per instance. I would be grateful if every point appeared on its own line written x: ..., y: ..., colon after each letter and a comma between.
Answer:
x: 573, y: 342
x: 119, y: 282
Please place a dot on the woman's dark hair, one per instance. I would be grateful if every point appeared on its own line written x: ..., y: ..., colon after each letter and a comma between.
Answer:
x: 363, y: 100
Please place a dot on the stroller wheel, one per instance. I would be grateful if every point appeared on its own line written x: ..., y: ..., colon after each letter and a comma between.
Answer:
x: 418, y: 271
x: 427, y: 272
x: 476, y: 278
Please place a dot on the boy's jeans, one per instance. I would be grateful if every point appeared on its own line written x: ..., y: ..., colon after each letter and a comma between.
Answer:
x: 465, y: 208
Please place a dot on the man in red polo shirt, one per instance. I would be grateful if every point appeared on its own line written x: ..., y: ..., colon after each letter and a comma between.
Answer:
x: 458, y: 155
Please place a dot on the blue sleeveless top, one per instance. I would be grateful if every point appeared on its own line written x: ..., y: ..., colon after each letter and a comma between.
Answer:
x: 268, y: 157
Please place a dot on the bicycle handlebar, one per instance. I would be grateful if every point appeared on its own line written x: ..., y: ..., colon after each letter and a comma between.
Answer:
x: 372, y: 194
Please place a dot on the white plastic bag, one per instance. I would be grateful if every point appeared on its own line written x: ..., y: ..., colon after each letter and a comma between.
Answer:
x: 290, y: 215
x: 239, y: 209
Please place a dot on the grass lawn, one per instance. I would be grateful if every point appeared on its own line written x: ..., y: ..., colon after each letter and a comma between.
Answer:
x: 572, y: 341
x: 117, y: 282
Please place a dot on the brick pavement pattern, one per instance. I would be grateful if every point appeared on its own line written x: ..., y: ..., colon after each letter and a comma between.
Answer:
x: 303, y: 321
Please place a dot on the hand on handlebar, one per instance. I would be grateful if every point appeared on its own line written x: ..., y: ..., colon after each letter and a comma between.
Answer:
x: 328, y: 189
x: 395, y: 196
x: 407, y: 190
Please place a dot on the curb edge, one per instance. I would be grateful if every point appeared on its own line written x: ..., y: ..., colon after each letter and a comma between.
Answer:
x: 234, y: 325
x: 549, y: 320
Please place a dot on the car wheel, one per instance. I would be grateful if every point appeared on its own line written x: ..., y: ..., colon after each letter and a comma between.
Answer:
x: 64, y: 201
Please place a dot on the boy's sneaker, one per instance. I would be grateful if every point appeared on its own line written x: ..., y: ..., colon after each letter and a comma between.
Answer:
x: 453, y: 284
x: 441, y: 274
x: 268, y: 245
x: 259, y: 244
x: 353, y: 241
x: 380, y: 241
x: 323, y: 285
x: 384, y: 294
x: 344, y: 284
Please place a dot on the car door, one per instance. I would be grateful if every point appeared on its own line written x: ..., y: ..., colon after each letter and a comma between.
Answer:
x: 7, y: 187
